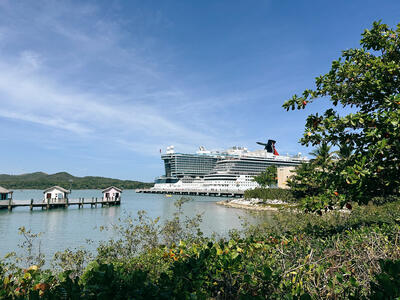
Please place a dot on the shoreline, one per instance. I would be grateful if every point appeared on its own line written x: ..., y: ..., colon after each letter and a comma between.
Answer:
x: 254, y: 204
x: 263, y: 205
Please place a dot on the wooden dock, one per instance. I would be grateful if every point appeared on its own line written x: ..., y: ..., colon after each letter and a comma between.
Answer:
x: 219, y: 193
x: 59, y: 203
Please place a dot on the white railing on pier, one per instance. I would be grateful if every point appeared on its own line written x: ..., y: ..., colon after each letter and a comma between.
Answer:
x: 55, y: 200
x: 5, y: 202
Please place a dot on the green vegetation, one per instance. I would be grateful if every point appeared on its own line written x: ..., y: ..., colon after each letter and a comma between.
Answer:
x: 297, y: 256
x: 270, y: 194
x: 268, y: 177
x: 311, y: 183
x: 366, y: 165
x: 40, y: 180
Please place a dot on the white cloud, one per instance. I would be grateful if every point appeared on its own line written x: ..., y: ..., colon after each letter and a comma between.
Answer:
x: 78, y: 73
x: 56, y: 122
x: 28, y: 96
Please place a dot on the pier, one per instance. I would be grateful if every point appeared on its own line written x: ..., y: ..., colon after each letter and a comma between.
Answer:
x: 193, y: 192
x: 59, y: 203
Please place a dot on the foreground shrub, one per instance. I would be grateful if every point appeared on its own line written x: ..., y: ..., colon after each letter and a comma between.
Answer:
x: 387, y: 283
x: 328, y: 224
x: 286, y: 266
x: 387, y: 199
x: 297, y: 256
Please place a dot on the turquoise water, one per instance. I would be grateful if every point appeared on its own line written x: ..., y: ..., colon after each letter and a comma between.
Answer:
x: 71, y: 227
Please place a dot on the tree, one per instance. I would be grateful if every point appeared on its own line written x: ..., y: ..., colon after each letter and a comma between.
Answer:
x: 312, y: 179
x: 268, y: 177
x: 367, y: 80
x: 304, y: 182
x: 322, y: 156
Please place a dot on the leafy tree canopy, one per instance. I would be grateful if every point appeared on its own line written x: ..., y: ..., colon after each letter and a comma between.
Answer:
x: 268, y: 177
x: 366, y: 79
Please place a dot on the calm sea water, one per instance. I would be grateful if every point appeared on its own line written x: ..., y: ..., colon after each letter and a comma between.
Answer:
x: 69, y: 228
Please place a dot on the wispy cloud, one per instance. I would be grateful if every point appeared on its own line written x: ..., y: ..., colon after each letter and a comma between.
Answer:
x: 97, y: 86
x: 40, y: 100
x: 56, y: 122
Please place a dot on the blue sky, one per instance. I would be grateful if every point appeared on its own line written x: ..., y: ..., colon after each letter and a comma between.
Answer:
x: 98, y: 87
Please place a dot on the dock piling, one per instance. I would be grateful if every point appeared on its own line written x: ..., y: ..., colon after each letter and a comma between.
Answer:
x: 31, y: 206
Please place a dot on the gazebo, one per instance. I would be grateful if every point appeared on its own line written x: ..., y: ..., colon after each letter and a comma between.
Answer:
x: 112, y: 193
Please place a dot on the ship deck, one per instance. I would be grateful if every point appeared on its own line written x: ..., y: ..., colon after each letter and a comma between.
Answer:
x: 193, y: 192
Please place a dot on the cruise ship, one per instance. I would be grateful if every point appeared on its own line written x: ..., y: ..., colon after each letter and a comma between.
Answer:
x: 231, y: 170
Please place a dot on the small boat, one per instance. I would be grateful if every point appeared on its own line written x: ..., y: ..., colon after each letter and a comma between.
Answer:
x: 168, y: 195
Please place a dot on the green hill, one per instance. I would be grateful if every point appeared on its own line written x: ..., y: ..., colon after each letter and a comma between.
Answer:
x: 40, y: 180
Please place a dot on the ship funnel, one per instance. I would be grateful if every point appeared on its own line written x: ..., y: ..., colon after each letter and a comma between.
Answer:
x: 269, y: 146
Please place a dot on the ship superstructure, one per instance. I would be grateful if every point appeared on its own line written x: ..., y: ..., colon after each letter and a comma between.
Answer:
x: 232, y: 169
x: 179, y: 165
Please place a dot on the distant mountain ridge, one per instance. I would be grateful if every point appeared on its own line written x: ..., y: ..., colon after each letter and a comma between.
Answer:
x: 41, y: 180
